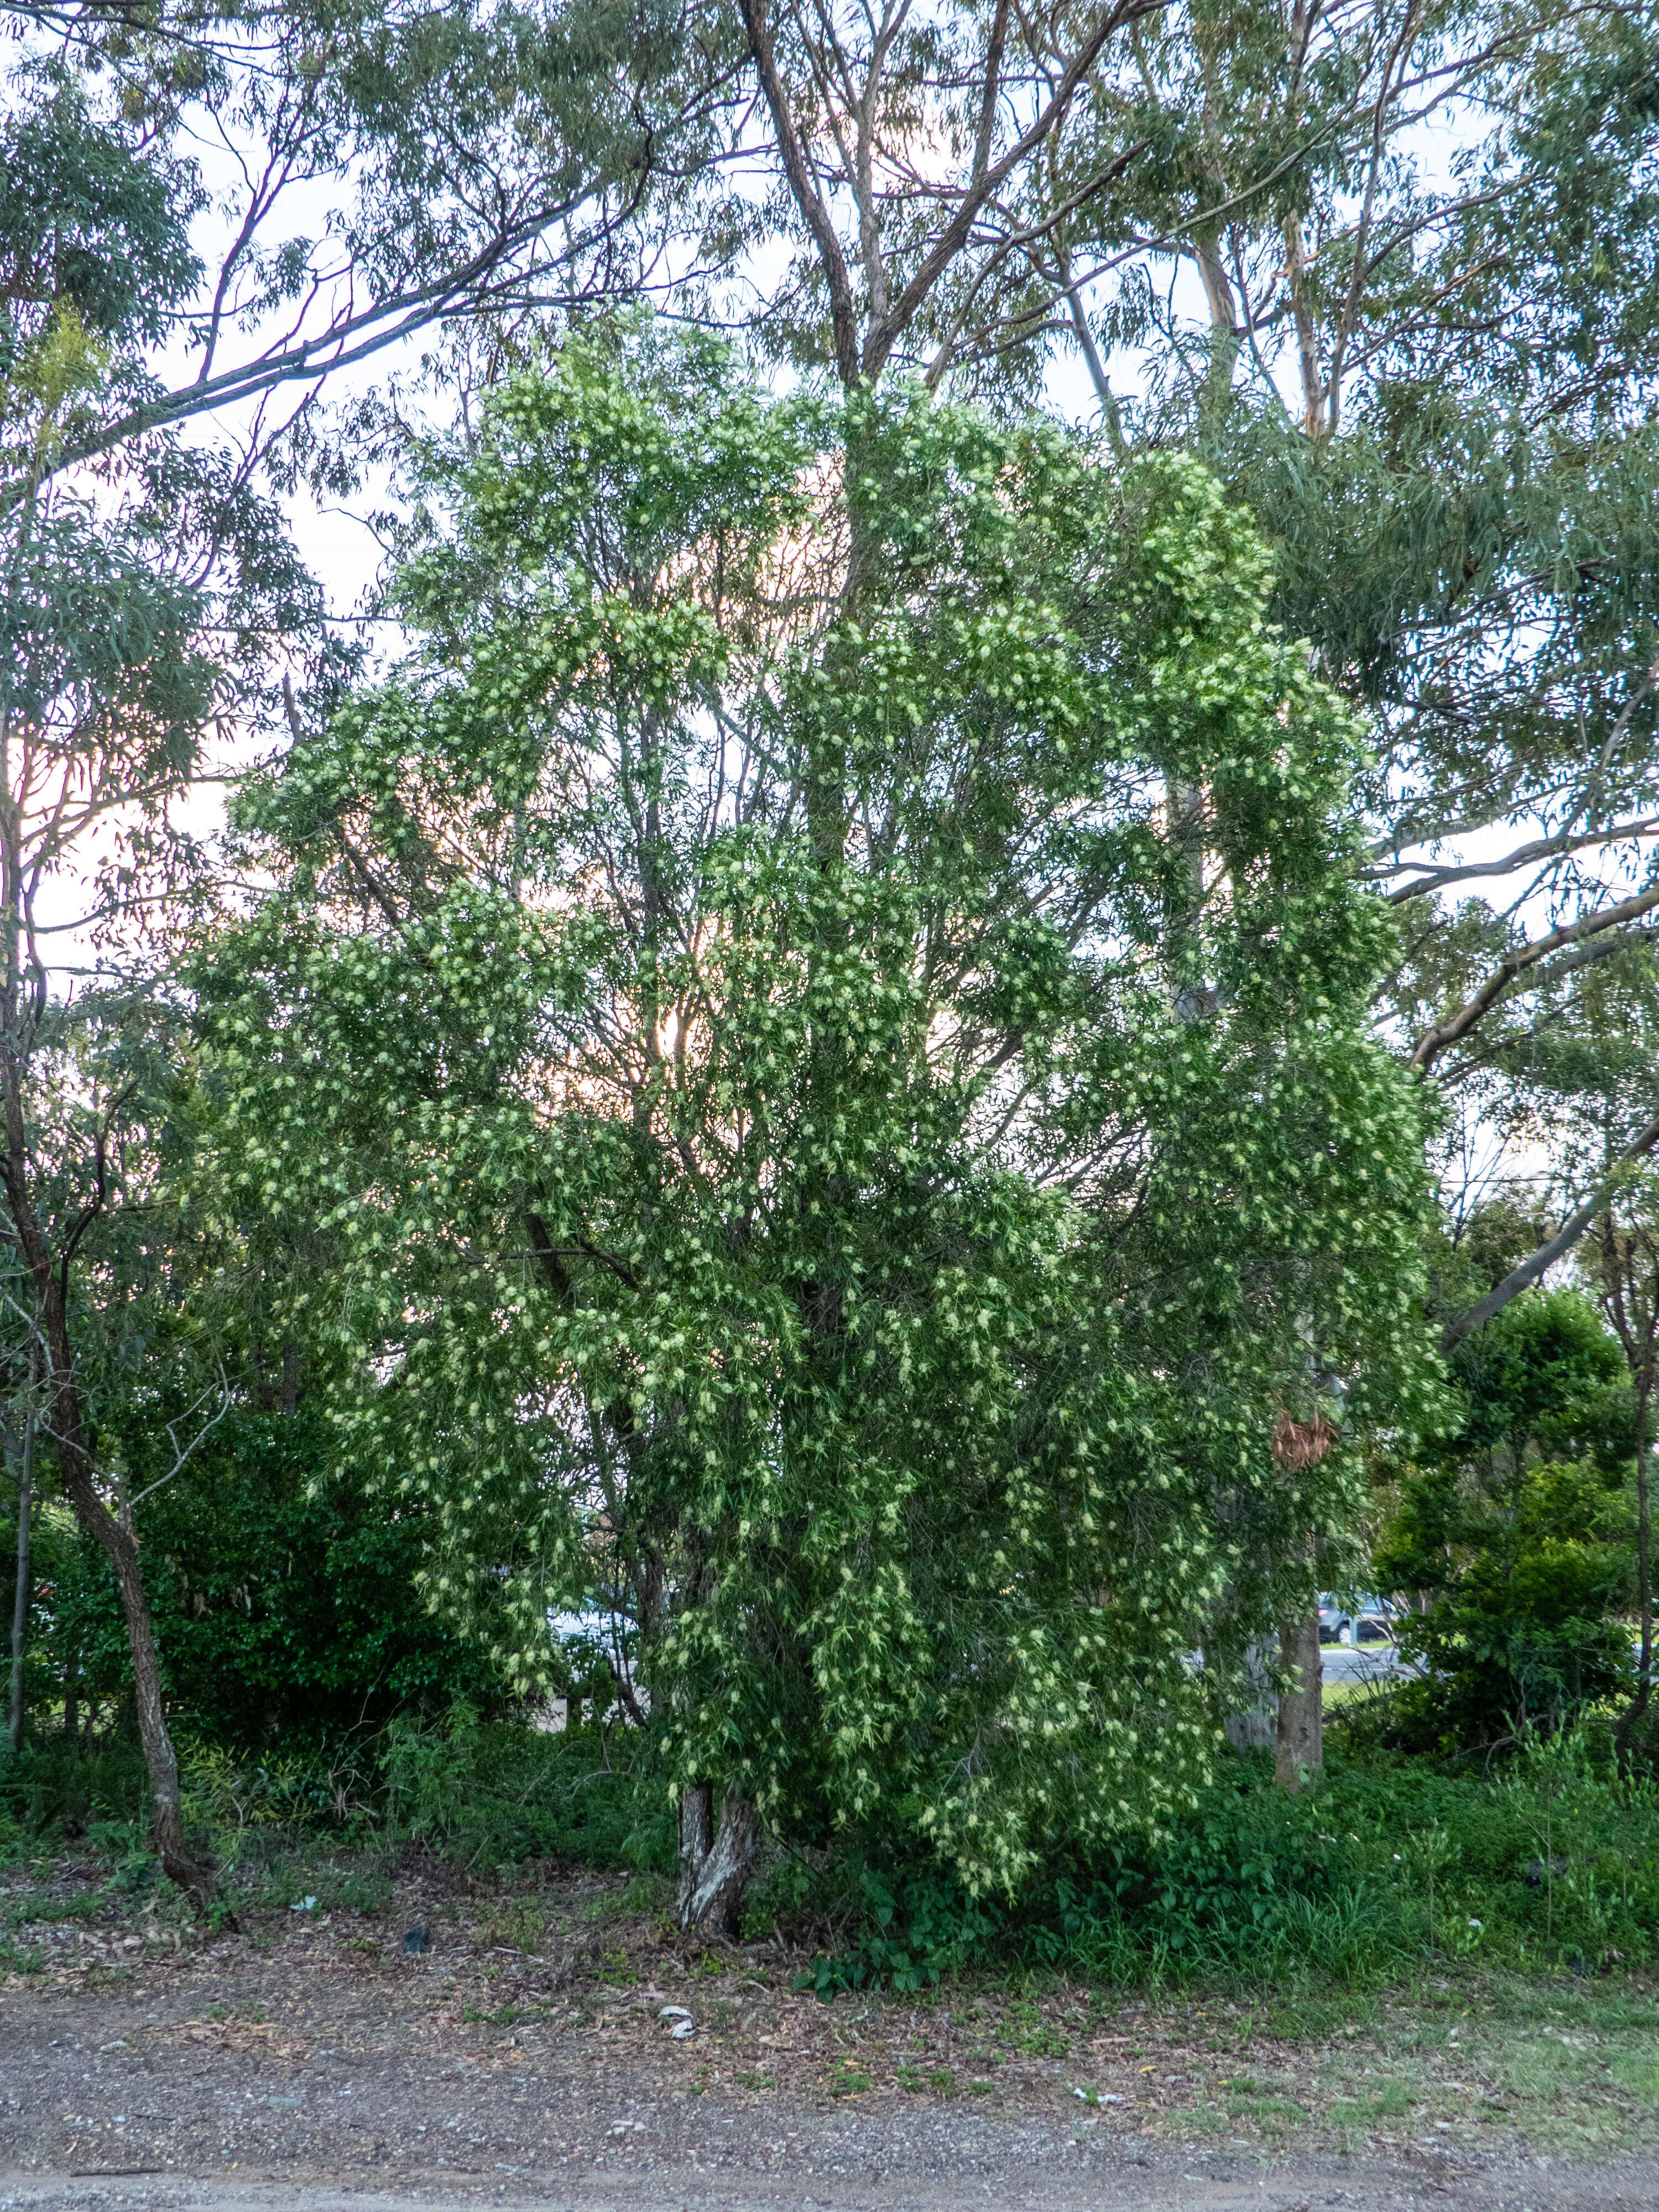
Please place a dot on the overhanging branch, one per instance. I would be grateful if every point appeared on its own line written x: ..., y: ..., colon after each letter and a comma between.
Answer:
x: 1523, y: 1277
x: 1434, y: 1042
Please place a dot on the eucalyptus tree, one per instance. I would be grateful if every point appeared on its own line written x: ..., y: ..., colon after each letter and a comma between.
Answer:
x: 874, y: 1272
x: 352, y: 176
x: 141, y: 608
x: 1420, y: 247
x: 1390, y: 268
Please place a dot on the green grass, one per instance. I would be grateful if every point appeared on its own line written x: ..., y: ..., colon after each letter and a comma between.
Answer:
x: 1468, y: 2060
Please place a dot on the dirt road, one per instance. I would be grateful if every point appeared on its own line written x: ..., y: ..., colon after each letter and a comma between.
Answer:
x: 995, y: 2167
x: 525, y: 2053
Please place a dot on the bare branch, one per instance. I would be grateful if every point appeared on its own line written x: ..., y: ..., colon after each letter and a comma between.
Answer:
x: 1435, y: 1041
x: 886, y: 334
x: 181, y: 1453
x: 1522, y: 856
x: 1523, y: 1277
x: 843, y: 322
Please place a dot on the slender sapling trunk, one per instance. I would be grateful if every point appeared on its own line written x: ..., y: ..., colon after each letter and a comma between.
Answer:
x: 20, y: 1611
x: 112, y: 1534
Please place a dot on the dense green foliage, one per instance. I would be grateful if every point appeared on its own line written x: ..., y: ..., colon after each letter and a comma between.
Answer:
x: 490, y: 1794
x: 1516, y: 1530
x: 1388, y: 1867
x: 1552, y: 1862
x: 286, y: 1609
x: 804, y: 1068
x: 870, y: 1269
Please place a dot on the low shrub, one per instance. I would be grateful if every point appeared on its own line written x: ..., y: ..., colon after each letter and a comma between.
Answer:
x: 73, y: 1786
x: 494, y: 1792
x: 1551, y: 1860
x: 479, y: 1792
x: 1555, y: 1860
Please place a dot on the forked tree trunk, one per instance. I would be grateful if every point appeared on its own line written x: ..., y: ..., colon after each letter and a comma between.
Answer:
x: 716, y: 1864
x: 1299, y: 1747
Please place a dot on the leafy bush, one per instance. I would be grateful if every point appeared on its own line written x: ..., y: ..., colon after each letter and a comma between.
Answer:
x: 287, y: 1609
x: 78, y: 1788
x: 482, y: 1791
x: 1517, y: 1530
x: 493, y: 1793
x: 1555, y: 1859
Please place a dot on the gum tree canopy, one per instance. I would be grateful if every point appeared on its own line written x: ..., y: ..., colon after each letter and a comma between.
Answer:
x: 872, y: 1265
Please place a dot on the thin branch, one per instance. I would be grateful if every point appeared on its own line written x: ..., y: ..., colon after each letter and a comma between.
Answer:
x: 181, y: 1455
x: 1523, y: 1277
x: 1435, y: 1041
x: 886, y: 333
x: 1540, y: 849
x: 842, y: 317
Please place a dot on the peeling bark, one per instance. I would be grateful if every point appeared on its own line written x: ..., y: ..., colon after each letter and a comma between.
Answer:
x: 1253, y: 1727
x: 1299, y: 1745
x: 1299, y: 1749
x: 716, y: 1864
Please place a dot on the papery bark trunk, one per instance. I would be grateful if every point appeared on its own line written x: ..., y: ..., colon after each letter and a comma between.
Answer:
x: 716, y: 1863
x: 1636, y: 1712
x: 1299, y: 1747
x: 1253, y: 1727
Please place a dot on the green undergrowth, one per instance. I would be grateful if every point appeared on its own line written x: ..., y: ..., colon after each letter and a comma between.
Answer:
x: 482, y: 1794
x: 1552, y: 1862
x: 495, y: 1793
x: 1549, y: 1863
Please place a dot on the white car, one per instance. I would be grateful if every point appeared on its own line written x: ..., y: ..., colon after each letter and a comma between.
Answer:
x: 1368, y: 1621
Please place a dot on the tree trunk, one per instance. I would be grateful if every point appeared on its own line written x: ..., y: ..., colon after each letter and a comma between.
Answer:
x: 159, y: 1757
x: 1300, y: 1748
x: 1299, y: 1753
x: 1253, y: 1727
x: 120, y: 1546
x: 716, y: 1865
x: 113, y: 1536
x: 1633, y: 1714
x: 19, y: 1610
x: 1644, y: 1543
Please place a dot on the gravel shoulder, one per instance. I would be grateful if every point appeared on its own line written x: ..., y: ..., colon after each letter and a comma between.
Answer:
x: 306, y: 2060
